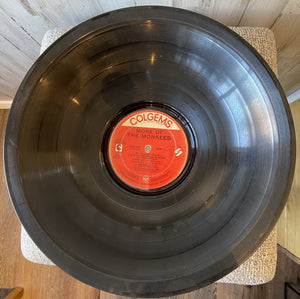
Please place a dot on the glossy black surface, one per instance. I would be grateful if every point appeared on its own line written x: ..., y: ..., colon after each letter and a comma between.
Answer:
x: 168, y: 243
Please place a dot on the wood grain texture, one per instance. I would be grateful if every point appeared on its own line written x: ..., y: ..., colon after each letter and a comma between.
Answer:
x: 289, y: 222
x: 229, y: 13
x: 49, y: 282
x: 261, y: 13
x: 41, y: 281
x: 24, y: 22
x: 16, y: 293
x: 204, y: 7
x: 287, y: 271
x: 38, y: 281
x: 288, y: 47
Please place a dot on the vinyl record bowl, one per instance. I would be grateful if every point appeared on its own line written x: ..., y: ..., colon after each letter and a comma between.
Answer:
x: 197, y: 222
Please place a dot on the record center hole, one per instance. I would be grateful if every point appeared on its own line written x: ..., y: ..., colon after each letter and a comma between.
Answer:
x: 148, y: 148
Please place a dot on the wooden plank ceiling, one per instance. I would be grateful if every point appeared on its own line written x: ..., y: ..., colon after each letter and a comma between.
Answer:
x: 24, y: 22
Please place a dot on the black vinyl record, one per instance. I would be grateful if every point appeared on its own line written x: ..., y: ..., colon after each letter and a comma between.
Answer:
x: 149, y: 151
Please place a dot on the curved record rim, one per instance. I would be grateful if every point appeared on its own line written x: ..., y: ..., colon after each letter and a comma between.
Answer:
x: 249, y: 239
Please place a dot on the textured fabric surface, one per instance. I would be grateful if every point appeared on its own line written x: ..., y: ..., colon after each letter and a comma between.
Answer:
x: 260, y: 267
x: 262, y: 39
x: 31, y: 252
x: 51, y: 36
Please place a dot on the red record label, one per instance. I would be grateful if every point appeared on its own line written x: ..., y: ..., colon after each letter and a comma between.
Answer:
x: 148, y: 149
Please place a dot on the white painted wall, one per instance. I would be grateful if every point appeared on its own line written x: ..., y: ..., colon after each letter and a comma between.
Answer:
x: 24, y: 22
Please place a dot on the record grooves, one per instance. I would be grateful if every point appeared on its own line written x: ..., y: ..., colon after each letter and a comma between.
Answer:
x: 149, y: 151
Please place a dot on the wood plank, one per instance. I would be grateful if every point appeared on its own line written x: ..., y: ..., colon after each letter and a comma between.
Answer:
x: 24, y: 17
x: 14, y: 73
x: 39, y: 281
x: 289, y: 222
x: 18, y: 36
x: 9, y: 90
x: 48, y: 282
x: 287, y: 34
x: 116, y: 4
x: 261, y: 14
x: 287, y: 40
x: 13, y: 65
x: 290, y: 81
x: 24, y: 23
x: 5, y: 102
x: 287, y: 271
x: 292, y: 8
x: 287, y: 67
x: 17, y: 53
x: 13, y: 55
x: 17, y: 293
x: 63, y: 13
x: 8, y: 225
x: 229, y: 13
x: 203, y: 7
